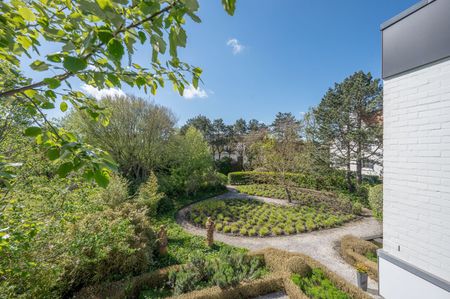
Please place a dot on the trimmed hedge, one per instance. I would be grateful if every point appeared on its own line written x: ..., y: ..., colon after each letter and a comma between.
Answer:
x: 280, y: 261
x: 353, y: 251
x: 282, y: 264
x: 336, y: 181
x: 376, y: 201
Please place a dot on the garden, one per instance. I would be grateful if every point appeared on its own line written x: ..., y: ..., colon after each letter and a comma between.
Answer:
x: 247, y: 217
x: 89, y: 200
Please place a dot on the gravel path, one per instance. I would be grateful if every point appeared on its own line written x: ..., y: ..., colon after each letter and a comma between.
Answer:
x: 320, y: 245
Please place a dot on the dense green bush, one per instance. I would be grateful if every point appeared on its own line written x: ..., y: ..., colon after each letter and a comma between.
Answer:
x: 225, y: 270
x: 150, y: 196
x: 252, y: 217
x: 318, y: 286
x: 334, y: 181
x: 376, y: 201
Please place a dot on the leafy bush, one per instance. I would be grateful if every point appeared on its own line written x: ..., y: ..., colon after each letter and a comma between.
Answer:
x: 225, y: 270
x: 357, y: 208
x: 318, y: 286
x: 376, y: 201
x: 150, y: 196
x: 116, y: 192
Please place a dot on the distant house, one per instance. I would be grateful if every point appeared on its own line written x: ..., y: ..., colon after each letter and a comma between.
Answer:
x: 415, y: 259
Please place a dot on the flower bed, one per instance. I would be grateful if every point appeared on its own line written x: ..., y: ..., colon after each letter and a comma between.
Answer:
x: 247, y: 217
x: 328, y: 200
x: 282, y: 264
x: 318, y: 286
x: 357, y: 251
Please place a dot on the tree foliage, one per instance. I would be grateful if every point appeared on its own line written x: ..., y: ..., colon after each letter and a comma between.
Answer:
x: 90, y: 40
x: 136, y: 136
x: 348, y: 122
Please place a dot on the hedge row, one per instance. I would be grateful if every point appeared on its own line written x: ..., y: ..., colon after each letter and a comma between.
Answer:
x: 353, y: 250
x: 287, y: 262
x: 375, y: 198
x: 282, y: 264
x: 336, y: 181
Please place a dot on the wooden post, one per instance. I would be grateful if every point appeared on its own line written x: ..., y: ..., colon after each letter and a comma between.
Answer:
x: 210, y: 232
x: 162, y: 240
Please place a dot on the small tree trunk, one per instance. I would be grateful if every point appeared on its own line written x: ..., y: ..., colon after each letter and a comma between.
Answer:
x: 210, y: 232
x: 359, y: 171
x: 288, y: 193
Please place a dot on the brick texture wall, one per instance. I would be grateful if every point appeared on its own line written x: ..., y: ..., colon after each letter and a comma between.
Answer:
x: 417, y: 167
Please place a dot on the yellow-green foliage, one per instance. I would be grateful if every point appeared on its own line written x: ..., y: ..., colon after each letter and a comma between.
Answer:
x: 149, y: 195
x: 277, y: 260
x: 280, y: 262
x: 252, y: 217
x: 376, y: 201
x: 354, y: 249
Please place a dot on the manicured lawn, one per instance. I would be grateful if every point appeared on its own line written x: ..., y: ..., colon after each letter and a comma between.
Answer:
x: 318, y: 286
x: 247, y: 217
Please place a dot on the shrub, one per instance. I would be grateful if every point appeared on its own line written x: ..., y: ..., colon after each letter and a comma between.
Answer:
x: 298, y: 265
x: 225, y: 270
x: 264, y: 231
x: 317, y: 285
x: 357, y: 251
x: 357, y: 208
x: 277, y: 231
x: 150, y: 196
x: 116, y: 192
x: 376, y: 201
x: 107, y: 244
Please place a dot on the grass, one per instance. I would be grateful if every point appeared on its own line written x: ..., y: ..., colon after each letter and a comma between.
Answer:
x: 318, y: 286
x: 182, y: 244
x: 254, y: 218
x: 328, y: 200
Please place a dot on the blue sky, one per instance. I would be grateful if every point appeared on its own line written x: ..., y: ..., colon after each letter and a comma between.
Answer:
x: 286, y: 56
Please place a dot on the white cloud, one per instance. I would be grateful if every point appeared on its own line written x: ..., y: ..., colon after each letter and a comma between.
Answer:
x: 191, y: 92
x: 100, y: 93
x: 236, y: 46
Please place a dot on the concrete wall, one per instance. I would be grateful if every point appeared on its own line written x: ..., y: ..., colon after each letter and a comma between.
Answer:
x: 417, y: 169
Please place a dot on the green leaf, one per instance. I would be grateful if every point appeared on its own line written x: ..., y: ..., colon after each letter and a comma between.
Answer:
x: 54, y: 57
x: 64, y: 169
x: 101, y: 177
x: 33, y: 131
x: 104, y: 35
x: 142, y: 36
x: 104, y: 4
x: 53, y: 153
x: 52, y: 82
x: 115, y: 49
x: 63, y: 106
x: 191, y: 5
x: 47, y: 105
x: 27, y: 14
x: 230, y: 6
x: 74, y: 64
x: 39, y: 65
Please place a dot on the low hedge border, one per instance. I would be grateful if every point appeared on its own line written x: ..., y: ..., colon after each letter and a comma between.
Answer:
x: 126, y: 288
x: 282, y: 261
x: 282, y: 264
x: 353, y: 250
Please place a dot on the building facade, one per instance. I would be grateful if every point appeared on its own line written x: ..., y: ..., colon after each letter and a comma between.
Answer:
x: 415, y: 259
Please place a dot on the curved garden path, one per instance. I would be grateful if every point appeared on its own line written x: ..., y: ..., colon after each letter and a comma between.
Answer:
x: 320, y: 245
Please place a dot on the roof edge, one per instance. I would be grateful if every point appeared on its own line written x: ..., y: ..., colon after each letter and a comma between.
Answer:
x: 405, y: 13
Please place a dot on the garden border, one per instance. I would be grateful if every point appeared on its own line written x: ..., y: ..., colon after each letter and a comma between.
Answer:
x: 352, y: 250
x: 280, y: 262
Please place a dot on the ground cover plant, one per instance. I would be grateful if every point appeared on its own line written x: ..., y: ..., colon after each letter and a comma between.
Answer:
x: 318, y: 286
x: 327, y: 200
x: 248, y: 217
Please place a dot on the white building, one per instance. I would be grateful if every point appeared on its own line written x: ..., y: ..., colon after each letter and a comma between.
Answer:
x: 415, y: 259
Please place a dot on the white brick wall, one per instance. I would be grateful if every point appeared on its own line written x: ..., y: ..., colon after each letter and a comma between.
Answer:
x: 417, y: 167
